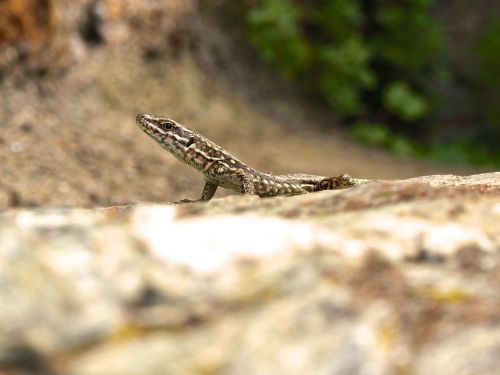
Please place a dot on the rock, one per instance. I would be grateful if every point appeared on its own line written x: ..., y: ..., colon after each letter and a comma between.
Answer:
x: 386, y: 277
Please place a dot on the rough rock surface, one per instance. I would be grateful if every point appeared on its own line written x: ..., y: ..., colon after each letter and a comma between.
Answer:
x: 398, y: 277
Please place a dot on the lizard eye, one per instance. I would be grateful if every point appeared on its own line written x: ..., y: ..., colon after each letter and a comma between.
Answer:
x: 167, y: 125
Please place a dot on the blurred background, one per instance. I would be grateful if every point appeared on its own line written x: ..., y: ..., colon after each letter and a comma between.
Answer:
x: 377, y: 89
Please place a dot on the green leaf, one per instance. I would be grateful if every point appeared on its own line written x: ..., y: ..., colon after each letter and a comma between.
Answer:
x: 400, y: 99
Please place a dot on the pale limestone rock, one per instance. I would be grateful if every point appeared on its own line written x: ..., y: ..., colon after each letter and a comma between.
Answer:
x: 383, y: 278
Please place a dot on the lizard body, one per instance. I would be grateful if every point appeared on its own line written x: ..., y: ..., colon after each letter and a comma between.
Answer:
x: 220, y: 168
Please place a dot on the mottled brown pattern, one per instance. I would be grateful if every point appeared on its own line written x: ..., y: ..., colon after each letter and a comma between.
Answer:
x: 220, y: 168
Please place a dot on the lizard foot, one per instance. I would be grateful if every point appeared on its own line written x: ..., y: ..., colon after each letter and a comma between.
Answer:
x: 337, y: 182
x: 182, y: 201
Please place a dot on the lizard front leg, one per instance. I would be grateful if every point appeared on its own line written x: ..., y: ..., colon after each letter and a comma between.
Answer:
x: 208, y: 191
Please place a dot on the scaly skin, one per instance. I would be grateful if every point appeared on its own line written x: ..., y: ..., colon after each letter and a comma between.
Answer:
x: 220, y: 168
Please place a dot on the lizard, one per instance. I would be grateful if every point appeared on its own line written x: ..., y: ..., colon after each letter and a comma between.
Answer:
x: 220, y: 168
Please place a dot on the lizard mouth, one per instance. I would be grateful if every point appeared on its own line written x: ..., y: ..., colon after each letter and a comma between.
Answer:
x: 147, y: 123
x: 143, y: 120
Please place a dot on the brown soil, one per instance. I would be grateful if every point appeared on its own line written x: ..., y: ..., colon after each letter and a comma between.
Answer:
x: 68, y: 133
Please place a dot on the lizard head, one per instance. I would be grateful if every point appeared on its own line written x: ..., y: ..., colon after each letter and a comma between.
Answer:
x: 168, y: 133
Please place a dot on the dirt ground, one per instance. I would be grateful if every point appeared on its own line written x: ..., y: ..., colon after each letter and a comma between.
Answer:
x: 68, y: 136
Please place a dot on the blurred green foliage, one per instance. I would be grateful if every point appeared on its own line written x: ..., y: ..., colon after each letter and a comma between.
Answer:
x: 380, y: 135
x: 398, y: 97
x: 283, y: 43
x: 381, y: 65
x: 487, y: 74
x: 357, y: 57
x: 458, y: 152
